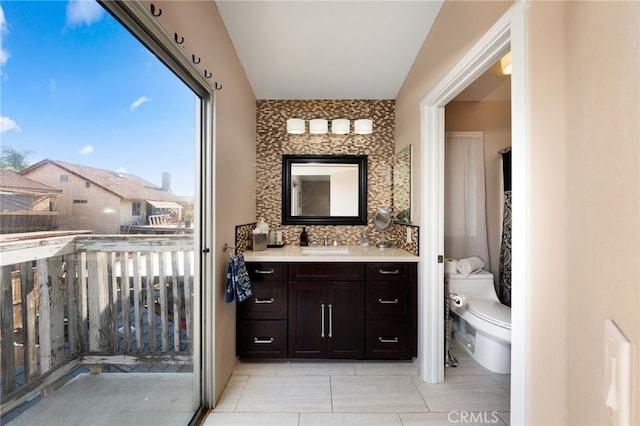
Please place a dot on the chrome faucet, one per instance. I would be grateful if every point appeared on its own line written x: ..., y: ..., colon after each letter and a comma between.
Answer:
x: 325, y: 239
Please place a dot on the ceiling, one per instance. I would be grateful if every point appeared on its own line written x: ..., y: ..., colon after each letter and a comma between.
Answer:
x: 327, y: 49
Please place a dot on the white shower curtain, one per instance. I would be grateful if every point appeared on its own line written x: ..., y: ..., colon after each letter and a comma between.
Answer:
x: 465, y: 223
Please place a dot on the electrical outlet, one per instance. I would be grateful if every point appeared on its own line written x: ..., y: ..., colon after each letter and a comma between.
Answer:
x: 408, y: 235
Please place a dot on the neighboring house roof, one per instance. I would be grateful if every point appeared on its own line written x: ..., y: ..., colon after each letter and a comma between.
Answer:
x: 124, y: 185
x: 13, y: 183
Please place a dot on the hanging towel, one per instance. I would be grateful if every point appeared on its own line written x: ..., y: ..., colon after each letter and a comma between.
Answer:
x: 238, y: 283
x: 470, y: 265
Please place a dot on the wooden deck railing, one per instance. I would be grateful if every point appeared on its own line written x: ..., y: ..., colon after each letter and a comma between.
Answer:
x: 96, y: 300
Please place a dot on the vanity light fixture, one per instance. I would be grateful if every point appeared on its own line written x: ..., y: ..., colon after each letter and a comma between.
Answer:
x: 340, y: 126
x: 363, y: 126
x: 318, y: 126
x: 295, y: 126
x: 505, y: 64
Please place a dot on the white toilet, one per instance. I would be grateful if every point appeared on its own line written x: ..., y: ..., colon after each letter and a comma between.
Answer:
x: 482, y: 325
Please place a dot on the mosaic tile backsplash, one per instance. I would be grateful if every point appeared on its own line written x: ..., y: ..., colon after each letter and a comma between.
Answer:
x: 273, y: 141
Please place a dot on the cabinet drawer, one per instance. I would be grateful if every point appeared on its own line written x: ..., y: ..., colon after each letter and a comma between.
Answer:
x: 267, y: 271
x: 262, y: 339
x: 329, y: 271
x: 391, y: 272
x: 269, y: 301
x: 388, y: 340
x: 387, y: 300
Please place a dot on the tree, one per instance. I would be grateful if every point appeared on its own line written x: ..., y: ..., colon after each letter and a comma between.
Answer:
x: 14, y: 160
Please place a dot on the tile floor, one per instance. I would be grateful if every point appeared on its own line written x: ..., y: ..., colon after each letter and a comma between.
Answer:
x: 314, y: 393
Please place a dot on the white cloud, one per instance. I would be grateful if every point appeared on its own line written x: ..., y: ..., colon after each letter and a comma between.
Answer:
x: 141, y: 100
x: 7, y: 124
x: 83, y: 12
x: 4, y: 53
x: 87, y: 150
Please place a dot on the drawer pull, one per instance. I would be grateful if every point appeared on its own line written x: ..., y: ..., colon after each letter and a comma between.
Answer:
x: 262, y: 341
x: 388, y: 340
x: 389, y: 302
x: 265, y: 272
x: 322, y: 320
x: 385, y: 272
x: 263, y: 301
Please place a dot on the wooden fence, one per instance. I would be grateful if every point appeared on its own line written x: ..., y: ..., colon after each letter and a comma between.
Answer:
x: 95, y: 300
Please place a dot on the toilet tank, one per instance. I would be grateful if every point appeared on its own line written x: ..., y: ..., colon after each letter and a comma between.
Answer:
x: 474, y: 286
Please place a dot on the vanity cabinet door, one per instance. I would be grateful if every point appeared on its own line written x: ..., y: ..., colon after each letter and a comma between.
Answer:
x: 326, y: 320
x: 307, y: 328
x: 345, y: 338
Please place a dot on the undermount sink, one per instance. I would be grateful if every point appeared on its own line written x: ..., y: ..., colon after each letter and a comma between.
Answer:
x: 325, y: 250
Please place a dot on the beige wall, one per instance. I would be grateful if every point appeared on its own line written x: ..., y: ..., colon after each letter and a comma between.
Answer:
x: 583, y: 191
x: 457, y: 28
x: 602, y: 52
x: 235, y: 152
x: 493, y: 118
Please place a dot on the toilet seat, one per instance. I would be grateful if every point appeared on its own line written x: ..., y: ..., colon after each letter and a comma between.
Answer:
x: 494, y: 312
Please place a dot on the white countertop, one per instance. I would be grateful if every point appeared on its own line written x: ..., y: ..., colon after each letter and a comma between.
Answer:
x: 294, y: 253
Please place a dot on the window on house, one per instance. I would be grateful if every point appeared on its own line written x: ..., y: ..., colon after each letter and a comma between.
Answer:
x: 87, y: 185
x: 64, y: 178
x: 135, y: 209
x: 79, y: 201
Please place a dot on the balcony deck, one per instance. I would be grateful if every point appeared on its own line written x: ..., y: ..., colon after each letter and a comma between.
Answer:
x: 114, y: 399
x: 114, y: 305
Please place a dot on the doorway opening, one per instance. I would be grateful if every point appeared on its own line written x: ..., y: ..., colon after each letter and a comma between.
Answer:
x: 508, y: 33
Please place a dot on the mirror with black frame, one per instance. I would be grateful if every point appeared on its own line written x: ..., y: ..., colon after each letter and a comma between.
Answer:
x: 324, y: 189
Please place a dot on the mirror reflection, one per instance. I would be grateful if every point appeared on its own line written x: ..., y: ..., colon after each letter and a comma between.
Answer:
x: 402, y: 185
x: 324, y: 190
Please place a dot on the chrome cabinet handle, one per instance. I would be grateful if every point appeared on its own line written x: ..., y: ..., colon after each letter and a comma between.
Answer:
x: 265, y: 272
x: 388, y: 340
x: 385, y: 272
x: 386, y: 302
x: 259, y: 341
x: 330, y: 321
x: 263, y: 301
x: 322, y: 321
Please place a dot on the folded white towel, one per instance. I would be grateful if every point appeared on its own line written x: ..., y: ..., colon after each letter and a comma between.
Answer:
x: 470, y: 265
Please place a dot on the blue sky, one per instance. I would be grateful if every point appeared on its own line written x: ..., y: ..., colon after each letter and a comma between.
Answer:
x: 78, y: 87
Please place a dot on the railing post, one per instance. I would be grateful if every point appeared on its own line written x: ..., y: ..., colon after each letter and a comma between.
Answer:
x: 29, y: 320
x: 100, y: 312
x: 44, y: 314
x: 6, y: 314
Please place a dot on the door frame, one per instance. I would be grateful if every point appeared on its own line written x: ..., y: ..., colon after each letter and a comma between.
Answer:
x: 509, y: 32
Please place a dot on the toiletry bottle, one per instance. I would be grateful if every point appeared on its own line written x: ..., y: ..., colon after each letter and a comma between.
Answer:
x: 304, y: 239
x: 279, y: 236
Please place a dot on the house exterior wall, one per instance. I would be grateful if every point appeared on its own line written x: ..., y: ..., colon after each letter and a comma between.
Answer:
x: 80, y: 215
x: 583, y: 187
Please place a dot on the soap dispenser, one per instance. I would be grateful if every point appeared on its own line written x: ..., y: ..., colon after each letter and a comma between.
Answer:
x: 304, y: 239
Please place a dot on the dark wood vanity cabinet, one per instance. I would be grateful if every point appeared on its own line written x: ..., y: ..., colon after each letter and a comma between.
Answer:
x: 329, y: 310
x: 262, y: 319
x: 391, y: 310
x: 326, y: 310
